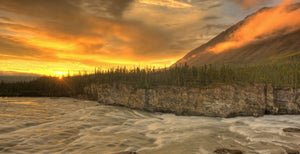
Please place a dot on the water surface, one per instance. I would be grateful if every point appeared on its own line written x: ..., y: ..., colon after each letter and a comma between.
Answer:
x: 65, y: 125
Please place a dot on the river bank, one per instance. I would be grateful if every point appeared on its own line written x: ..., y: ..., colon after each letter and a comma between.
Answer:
x: 221, y: 101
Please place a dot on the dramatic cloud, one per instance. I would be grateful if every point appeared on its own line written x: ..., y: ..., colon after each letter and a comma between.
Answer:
x: 42, y: 36
x: 76, y: 31
x: 264, y: 24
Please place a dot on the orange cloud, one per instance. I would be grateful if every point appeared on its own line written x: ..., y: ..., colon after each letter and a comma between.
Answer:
x: 264, y: 24
x: 48, y: 51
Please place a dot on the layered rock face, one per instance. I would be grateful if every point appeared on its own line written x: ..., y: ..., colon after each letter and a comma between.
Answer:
x: 221, y: 101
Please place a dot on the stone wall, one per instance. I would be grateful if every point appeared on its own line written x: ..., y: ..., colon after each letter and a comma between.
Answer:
x: 221, y: 101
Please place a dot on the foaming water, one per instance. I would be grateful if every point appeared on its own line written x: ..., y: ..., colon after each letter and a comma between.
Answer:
x: 65, y: 125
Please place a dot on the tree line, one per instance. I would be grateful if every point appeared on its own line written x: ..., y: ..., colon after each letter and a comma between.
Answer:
x: 279, y: 75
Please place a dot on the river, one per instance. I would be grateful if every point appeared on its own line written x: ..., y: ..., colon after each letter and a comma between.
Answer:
x: 66, y: 125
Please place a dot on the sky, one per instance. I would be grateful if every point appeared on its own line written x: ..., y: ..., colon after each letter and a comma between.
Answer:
x: 54, y: 37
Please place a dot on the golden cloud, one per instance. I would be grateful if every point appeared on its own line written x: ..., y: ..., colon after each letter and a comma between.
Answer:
x: 167, y: 3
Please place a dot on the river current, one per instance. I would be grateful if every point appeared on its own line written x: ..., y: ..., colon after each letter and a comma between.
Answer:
x: 66, y: 125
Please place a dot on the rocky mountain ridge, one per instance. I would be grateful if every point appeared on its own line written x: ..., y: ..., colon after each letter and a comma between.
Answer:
x: 277, y: 47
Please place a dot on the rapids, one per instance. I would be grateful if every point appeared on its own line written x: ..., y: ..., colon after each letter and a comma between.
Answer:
x: 66, y: 125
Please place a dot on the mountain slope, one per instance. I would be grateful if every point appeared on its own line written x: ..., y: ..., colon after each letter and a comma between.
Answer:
x: 278, y: 46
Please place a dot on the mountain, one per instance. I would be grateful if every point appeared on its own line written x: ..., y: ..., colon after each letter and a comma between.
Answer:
x: 278, y: 45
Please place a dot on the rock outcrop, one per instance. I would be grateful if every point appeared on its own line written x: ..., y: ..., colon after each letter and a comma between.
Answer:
x: 221, y: 101
x: 291, y: 130
x: 227, y: 151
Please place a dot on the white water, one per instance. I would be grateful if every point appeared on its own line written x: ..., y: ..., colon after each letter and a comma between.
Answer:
x: 65, y: 125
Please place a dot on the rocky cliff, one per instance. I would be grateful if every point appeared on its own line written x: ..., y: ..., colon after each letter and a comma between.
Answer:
x: 221, y: 101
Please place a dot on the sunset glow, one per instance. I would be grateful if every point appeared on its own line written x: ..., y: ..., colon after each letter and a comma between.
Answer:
x: 60, y: 75
x: 57, y: 36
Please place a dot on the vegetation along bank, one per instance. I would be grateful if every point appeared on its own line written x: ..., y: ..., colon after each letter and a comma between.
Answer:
x: 208, y: 90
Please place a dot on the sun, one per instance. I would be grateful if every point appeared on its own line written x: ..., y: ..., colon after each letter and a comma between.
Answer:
x: 60, y: 75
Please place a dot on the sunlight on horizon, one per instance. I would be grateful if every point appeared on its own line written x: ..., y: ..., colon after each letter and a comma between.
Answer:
x: 60, y: 75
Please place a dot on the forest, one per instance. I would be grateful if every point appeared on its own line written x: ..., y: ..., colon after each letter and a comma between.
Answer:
x: 206, y: 76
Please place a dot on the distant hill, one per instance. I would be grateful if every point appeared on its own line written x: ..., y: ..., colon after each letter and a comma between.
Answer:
x: 11, y: 77
x: 276, y: 47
